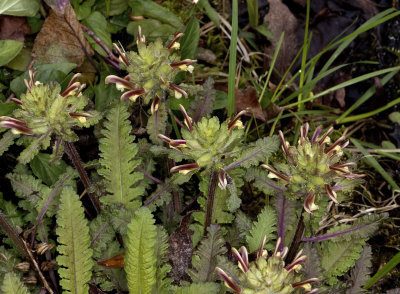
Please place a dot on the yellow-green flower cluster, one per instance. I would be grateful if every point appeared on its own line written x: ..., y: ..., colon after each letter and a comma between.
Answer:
x: 314, y: 168
x: 267, y: 274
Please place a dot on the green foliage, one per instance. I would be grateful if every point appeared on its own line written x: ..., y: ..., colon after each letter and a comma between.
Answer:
x: 209, y: 288
x: 12, y: 284
x: 118, y: 160
x: 202, y: 104
x: 75, y: 257
x: 140, y: 258
x: 157, y: 124
x: 7, y: 261
x: 163, y: 283
x: 264, y: 226
x: 360, y: 273
x: 204, y: 259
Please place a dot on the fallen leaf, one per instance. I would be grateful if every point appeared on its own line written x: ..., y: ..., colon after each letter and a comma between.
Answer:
x: 180, y: 248
x: 61, y: 40
x: 13, y: 28
x: 248, y: 100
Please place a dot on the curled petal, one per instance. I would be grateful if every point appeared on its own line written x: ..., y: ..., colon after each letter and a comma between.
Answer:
x: 261, y: 249
x: 309, y: 204
x: 341, y: 168
x: 306, y: 284
x: 243, y: 263
x: 121, y: 55
x: 333, y: 146
x: 228, y: 280
x: 188, y: 119
x: 121, y: 83
x: 178, y: 91
x: 73, y: 79
x: 236, y: 122
x: 316, y: 134
x: 276, y: 173
x: 186, y: 62
x: 331, y: 193
x: 72, y: 90
x: 132, y: 94
x: 80, y: 116
x: 352, y: 176
x: 164, y: 138
x: 278, y: 244
x: 155, y: 104
x: 304, y: 132
x: 185, y: 168
x: 322, y: 140
x: 16, y: 101
x: 284, y: 144
x: 140, y: 38
x: 173, y: 44
x: 284, y: 251
x: 177, y: 144
x: 295, y: 265
x: 222, y: 181
x: 17, y: 126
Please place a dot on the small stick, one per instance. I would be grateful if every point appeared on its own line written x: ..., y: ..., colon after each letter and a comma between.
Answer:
x: 210, y: 198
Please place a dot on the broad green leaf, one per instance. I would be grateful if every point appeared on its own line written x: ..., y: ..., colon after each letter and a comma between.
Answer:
x: 190, y: 39
x: 19, y: 7
x: 151, y: 9
x: 46, y: 73
x: 46, y: 171
x: 395, y: 117
x: 21, y: 61
x: 111, y: 7
x: 105, y: 94
x: 263, y: 30
x: 151, y: 28
x: 9, y: 49
x: 83, y: 8
x: 252, y: 8
x: 98, y: 24
x: 6, y: 109
x: 221, y: 100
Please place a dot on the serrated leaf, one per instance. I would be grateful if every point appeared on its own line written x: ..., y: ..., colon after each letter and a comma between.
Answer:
x: 264, y: 226
x: 204, y: 260
x: 45, y: 170
x: 98, y: 24
x: 360, y: 273
x: 140, y: 259
x: 6, y: 141
x: 118, y: 159
x: 75, y: 257
x: 190, y: 40
x: 338, y: 257
x: 202, y: 105
x: 12, y: 284
x: 19, y: 7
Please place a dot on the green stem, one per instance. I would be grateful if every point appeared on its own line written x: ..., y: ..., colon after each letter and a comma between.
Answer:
x: 232, y: 59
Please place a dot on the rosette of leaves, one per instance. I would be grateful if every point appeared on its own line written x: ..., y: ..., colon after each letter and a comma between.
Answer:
x: 151, y: 71
x: 45, y: 110
x: 314, y: 169
x: 267, y: 274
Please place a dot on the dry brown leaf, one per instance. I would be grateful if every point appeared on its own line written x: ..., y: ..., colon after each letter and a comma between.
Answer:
x: 280, y: 19
x: 13, y: 28
x: 248, y: 100
x: 180, y: 248
x: 61, y: 39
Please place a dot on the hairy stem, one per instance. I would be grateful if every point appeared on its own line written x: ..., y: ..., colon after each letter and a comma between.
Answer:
x: 294, y: 247
x: 13, y: 235
x: 76, y: 160
x: 210, y: 198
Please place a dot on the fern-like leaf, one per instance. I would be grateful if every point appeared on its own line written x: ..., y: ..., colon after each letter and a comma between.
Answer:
x: 6, y: 141
x: 12, y: 285
x: 202, y: 105
x: 204, y: 260
x: 140, y: 259
x: 360, y: 273
x: 118, y: 161
x: 75, y: 257
x: 264, y: 226
x: 338, y: 257
x: 161, y: 249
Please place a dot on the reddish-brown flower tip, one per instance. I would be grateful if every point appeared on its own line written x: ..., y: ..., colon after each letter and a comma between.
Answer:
x: 304, y: 132
x: 276, y: 173
x: 235, y: 122
x: 178, y: 91
x: 173, y: 45
x: 243, y: 262
x: 188, y: 119
x: 306, y: 284
x: 222, y: 181
x: 316, y: 134
x: 132, y: 94
x: 120, y: 83
x: 155, y: 105
x: 121, y: 54
x: 331, y: 193
x: 309, y: 204
x: 228, y: 280
x: 17, y: 126
x: 16, y: 101
x: 322, y: 140
x: 185, y: 168
x: 284, y: 145
x: 333, y: 146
